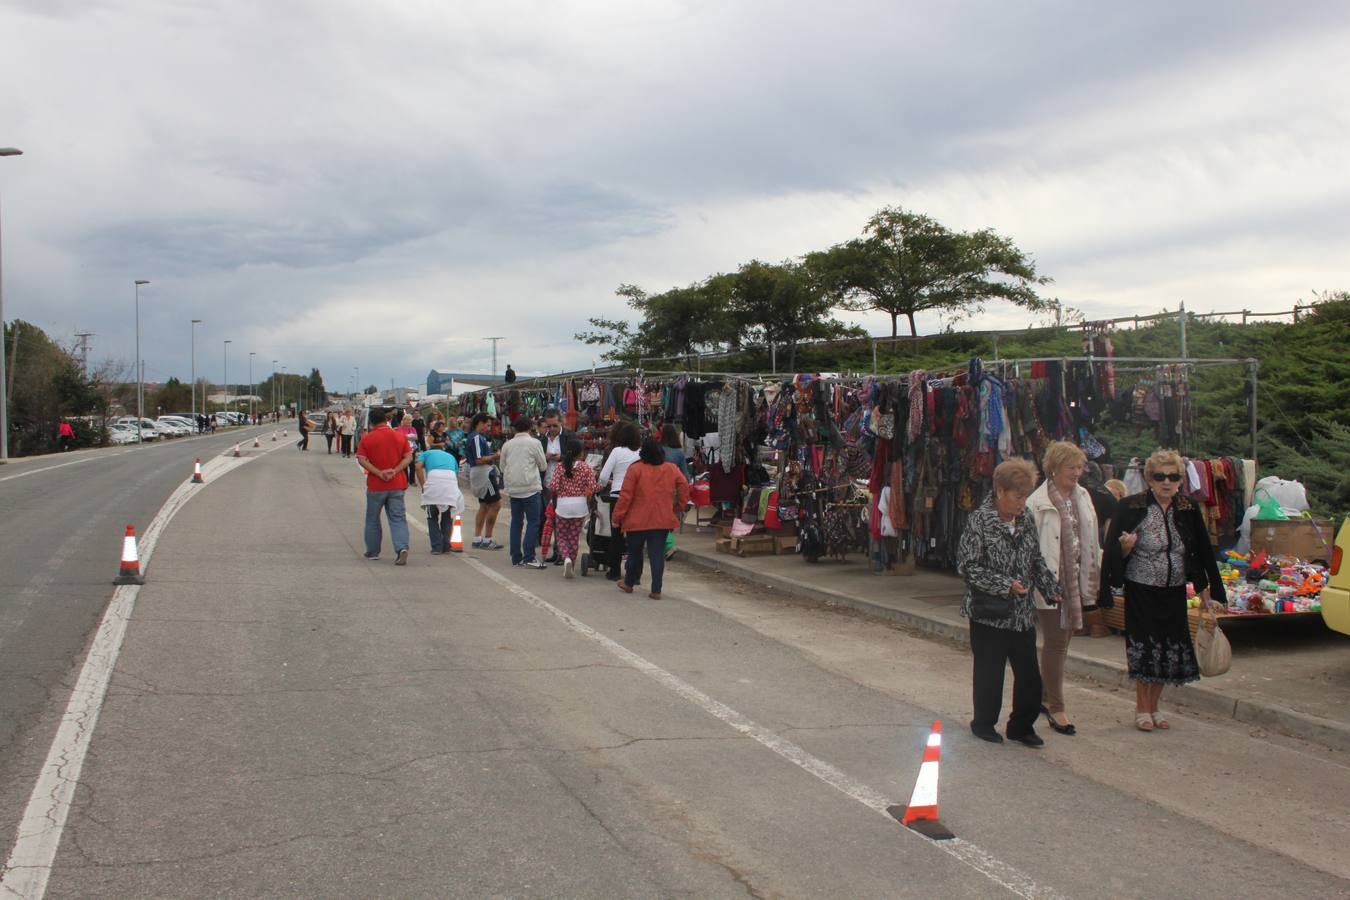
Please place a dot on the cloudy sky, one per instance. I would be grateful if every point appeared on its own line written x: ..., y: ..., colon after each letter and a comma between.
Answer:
x: 336, y: 184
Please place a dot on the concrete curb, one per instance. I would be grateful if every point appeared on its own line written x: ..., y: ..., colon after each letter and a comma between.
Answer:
x: 1324, y: 732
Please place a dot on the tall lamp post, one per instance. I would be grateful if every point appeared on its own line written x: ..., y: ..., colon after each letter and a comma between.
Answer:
x: 225, y: 397
x: 195, y: 323
x: 283, y: 387
x: 4, y: 399
x: 140, y: 370
x: 251, y: 354
x: 274, y: 388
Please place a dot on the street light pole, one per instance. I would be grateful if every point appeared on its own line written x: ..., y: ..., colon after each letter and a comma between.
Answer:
x: 283, y: 387
x: 195, y: 323
x: 274, y: 388
x: 4, y: 398
x: 225, y: 397
x: 251, y: 354
x: 140, y: 370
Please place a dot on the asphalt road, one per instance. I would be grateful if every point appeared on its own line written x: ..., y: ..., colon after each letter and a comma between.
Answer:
x: 287, y: 719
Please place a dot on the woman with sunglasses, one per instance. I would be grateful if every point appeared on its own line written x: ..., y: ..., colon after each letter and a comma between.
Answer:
x: 1157, y: 541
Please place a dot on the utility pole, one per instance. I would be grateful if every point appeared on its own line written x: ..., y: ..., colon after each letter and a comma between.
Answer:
x: 84, y: 337
x: 494, y: 352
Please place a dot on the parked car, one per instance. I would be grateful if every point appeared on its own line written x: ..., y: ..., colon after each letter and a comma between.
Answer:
x: 149, y: 431
x: 1336, y: 595
x: 121, y: 434
x: 173, y: 427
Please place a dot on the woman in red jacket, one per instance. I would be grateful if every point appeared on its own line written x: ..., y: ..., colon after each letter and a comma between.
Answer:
x: 654, y: 495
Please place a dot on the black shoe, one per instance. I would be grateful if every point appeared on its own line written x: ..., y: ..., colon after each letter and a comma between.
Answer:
x: 987, y: 734
x: 1055, y: 726
x: 1031, y: 739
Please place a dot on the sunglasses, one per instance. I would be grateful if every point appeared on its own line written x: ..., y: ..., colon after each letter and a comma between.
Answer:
x: 1166, y: 476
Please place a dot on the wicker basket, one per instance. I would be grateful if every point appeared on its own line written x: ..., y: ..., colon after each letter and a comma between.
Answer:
x: 1115, y: 617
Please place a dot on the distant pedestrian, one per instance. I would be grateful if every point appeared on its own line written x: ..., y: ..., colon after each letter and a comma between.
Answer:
x: 347, y: 430
x: 438, y: 477
x: 673, y: 446
x: 304, y: 423
x: 330, y: 430
x: 552, y: 436
x: 455, y: 436
x: 385, y: 455
x: 419, y: 426
x: 65, y: 435
x: 522, y: 465
x: 650, y: 505
x: 484, y: 482
x: 510, y: 376
x: 572, y: 485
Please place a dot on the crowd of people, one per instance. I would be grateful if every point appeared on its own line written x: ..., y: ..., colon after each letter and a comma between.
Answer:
x: 1042, y: 556
x: 541, y: 469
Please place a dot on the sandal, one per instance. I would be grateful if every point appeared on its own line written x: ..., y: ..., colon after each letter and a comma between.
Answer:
x: 1143, y: 721
x: 624, y: 586
x: 1160, y: 721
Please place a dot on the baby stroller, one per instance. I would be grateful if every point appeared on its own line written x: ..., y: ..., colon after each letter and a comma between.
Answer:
x: 598, y: 536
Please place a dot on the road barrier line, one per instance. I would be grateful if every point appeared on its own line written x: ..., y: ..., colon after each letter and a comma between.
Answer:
x: 978, y: 859
x: 74, y: 462
x: 44, y: 819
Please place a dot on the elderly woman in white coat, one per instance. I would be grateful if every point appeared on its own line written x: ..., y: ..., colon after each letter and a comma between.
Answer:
x: 1066, y: 521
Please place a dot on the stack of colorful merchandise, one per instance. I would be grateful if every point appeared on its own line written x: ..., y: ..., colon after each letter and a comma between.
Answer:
x: 1265, y: 585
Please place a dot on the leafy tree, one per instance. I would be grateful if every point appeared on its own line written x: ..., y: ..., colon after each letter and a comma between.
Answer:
x: 173, y: 396
x: 616, y: 334
x: 906, y: 263
x: 46, y: 382
x: 782, y: 305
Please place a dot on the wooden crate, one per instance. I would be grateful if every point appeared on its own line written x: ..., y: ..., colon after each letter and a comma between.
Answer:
x: 723, y: 545
x: 784, y: 544
x: 753, y: 545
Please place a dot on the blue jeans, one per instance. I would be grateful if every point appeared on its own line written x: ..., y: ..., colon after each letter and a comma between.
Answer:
x: 525, y: 517
x: 392, y: 504
x: 655, y: 542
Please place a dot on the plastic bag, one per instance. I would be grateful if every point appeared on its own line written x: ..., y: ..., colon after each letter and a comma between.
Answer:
x: 1212, y: 650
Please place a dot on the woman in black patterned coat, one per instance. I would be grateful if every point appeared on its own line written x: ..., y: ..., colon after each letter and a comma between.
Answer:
x: 1000, y: 555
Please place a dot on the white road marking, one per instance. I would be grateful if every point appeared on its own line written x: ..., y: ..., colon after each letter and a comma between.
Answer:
x: 74, y: 462
x: 39, y: 833
x: 992, y: 868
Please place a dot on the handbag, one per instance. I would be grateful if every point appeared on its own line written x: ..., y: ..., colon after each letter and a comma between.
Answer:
x: 984, y: 605
x: 1212, y: 650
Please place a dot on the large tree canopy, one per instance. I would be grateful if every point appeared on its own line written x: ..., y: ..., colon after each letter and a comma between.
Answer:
x: 906, y: 263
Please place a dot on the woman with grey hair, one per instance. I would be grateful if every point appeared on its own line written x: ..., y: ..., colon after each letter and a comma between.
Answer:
x: 1156, y: 543
x: 999, y: 557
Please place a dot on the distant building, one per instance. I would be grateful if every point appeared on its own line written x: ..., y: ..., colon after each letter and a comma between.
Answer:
x: 453, y: 384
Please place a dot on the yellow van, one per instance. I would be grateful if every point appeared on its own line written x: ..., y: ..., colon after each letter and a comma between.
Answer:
x: 1336, y: 595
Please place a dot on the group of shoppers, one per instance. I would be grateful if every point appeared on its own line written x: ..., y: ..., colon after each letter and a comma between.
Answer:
x: 1034, y: 557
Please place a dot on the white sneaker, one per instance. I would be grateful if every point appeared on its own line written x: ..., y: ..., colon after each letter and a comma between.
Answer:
x: 567, y: 568
x: 534, y: 564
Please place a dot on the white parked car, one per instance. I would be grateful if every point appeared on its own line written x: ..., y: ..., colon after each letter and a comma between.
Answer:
x: 149, y: 430
x: 121, y: 434
x: 173, y: 427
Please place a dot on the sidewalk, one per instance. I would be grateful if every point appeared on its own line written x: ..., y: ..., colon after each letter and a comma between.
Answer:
x: 1291, y: 677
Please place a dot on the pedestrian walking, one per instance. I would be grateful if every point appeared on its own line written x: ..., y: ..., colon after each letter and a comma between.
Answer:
x: 572, y: 485
x: 385, y: 455
x: 65, y: 435
x: 999, y: 557
x: 510, y: 376
x: 650, y: 505
x: 1156, y: 543
x: 624, y: 441
x: 523, y: 465
x: 347, y: 431
x: 552, y: 436
x: 304, y: 423
x: 484, y: 481
x: 438, y: 476
x: 673, y: 447
x: 330, y: 430
x: 1066, y: 527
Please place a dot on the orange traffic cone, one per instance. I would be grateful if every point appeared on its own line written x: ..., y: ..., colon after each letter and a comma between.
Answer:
x: 456, y: 537
x: 197, y: 472
x: 236, y: 449
x: 130, y: 572
x: 922, y: 813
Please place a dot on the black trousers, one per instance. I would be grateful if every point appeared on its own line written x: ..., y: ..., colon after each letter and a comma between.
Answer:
x: 994, y: 649
x: 617, y: 544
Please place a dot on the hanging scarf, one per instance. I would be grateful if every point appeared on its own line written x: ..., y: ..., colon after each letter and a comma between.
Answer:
x: 918, y: 382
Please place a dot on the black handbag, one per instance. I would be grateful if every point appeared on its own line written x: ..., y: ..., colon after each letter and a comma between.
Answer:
x: 984, y: 605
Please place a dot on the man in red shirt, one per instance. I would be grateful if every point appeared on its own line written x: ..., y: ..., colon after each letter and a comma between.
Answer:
x: 385, y: 455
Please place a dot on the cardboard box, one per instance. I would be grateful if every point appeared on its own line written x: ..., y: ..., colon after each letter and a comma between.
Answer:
x: 1304, y: 538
